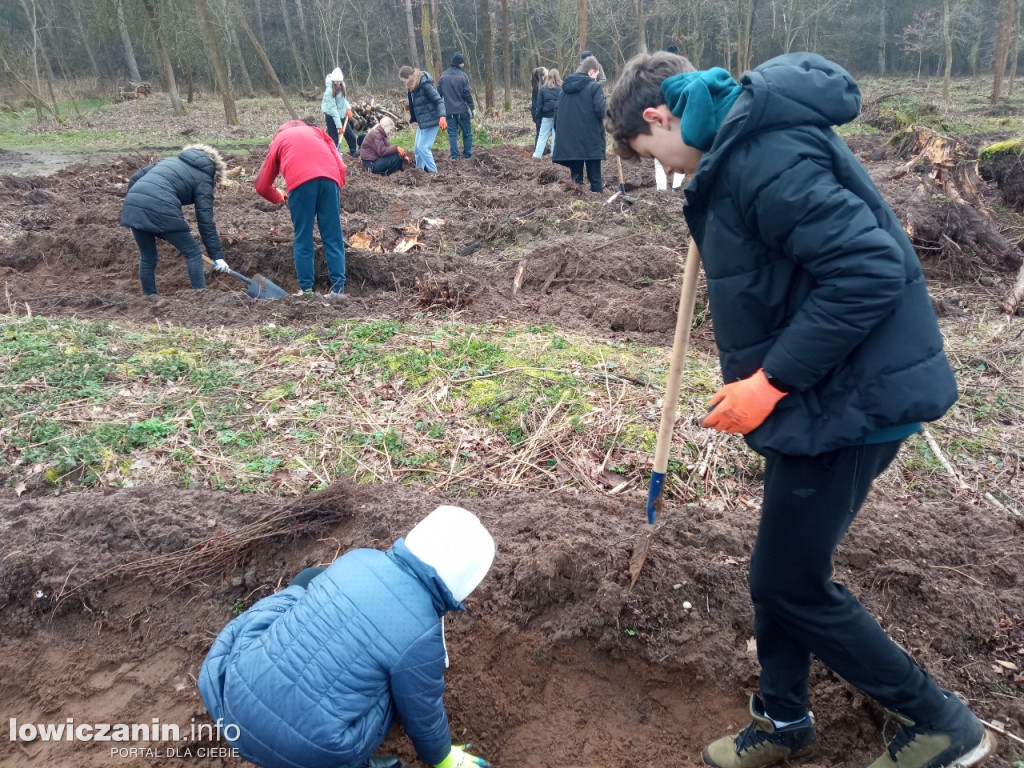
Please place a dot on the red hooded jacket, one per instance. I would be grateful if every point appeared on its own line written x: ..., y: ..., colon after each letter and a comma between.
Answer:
x: 299, y: 152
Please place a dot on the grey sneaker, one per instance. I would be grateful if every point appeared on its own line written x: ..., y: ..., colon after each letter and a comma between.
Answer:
x: 336, y: 294
x: 761, y: 743
x: 956, y: 737
x: 384, y: 762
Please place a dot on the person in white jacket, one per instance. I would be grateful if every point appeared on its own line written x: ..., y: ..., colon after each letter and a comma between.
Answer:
x: 336, y: 108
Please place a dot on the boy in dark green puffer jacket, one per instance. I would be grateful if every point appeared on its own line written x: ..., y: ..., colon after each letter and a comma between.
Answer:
x: 831, y: 356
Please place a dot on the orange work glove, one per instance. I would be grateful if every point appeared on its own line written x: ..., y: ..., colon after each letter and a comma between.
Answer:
x: 444, y: 123
x: 284, y: 196
x: 743, y: 406
x: 348, y: 113
x: 402, y: 153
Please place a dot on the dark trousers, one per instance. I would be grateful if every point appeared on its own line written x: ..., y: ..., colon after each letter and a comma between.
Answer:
x: 593, y: 172
x: 384, y: 166
x: 183, y: 241
x: 306, y: 575
x: 350, y: 135
x: 318, y: 199
x: 456, y: 123
x: 799, y: 611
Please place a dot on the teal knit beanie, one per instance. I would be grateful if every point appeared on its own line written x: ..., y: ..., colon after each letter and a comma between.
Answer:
x: 701, y: 100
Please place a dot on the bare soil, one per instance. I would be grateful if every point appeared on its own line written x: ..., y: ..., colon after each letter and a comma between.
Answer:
x: 110, y: 599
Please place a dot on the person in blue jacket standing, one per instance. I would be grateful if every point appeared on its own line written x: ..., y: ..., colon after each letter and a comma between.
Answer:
x: 831, y: 356
x: 453, y: 85
x: 154, y: 207
x: 313, y: 676
x: 427, y: 110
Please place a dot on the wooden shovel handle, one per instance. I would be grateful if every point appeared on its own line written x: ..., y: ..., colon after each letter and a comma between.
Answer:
x: 687, y: 299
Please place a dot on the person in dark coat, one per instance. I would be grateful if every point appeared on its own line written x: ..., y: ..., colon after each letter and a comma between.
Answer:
x: 550, y: 94
x: 585, y: 66
x: 831, y: 356
x: 453, y: 85
x: 313, y: 676
x: 536, y: 82
x: 427, y: 110
x: 378, y: 154
x: 154, y: 206
x: 580, y: 127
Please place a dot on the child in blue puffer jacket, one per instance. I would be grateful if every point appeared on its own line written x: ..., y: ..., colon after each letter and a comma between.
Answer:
x: 313, y: 676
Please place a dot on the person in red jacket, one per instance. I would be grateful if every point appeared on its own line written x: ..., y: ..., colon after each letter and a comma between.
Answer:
x: 314, y: 174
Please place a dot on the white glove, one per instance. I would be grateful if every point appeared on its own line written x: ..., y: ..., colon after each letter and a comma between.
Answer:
x: 221, y: 266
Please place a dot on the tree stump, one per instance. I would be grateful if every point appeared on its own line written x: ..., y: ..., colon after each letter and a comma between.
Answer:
x: 961, y: 223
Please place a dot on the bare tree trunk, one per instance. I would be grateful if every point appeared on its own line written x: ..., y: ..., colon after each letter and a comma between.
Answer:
x: 299, y: 69
x: 219, y: 65
x: 429, y: 58
x: 1003, y: 36
x: 1015, y: 56
x: 165, y: 60
x: 641, y: 32
x: 488, y: 41
x: 583, y: 26
x: 435, y: 37
x: 506, y: 54
x: 85, y: 38
x: 410, y: 28
x: 259, y: 20
x: 126, y: 41
x: 745, y: 36
x: 236, y: 46
x: 267, y: 66
x: 882, y: 19
x: 947, y: 36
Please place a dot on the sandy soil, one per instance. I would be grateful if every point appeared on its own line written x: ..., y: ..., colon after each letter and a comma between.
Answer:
x: 109, y: 600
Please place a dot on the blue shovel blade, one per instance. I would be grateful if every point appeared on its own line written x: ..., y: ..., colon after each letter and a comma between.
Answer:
x: 657, y: 481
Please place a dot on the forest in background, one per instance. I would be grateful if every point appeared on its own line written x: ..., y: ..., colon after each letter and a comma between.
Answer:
x: 246, y: 47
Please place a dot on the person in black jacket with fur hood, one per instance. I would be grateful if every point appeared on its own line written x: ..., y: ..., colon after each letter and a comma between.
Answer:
x: 154, y: 206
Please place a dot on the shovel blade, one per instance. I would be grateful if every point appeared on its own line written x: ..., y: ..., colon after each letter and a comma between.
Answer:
x: 639, y: 555
x: 262, y: 288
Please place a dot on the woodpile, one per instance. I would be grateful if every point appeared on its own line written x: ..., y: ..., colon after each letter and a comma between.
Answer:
x: 133, y: 91
x: 365, y: 116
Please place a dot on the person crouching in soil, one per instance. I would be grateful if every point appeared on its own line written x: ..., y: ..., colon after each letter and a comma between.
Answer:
x: 313, y: 676
x: 314, y: 174
x: 378, y: 154
x: 427, y: 110
x: 154, y: 206
x: 580, y: 124
x: 831, y: 356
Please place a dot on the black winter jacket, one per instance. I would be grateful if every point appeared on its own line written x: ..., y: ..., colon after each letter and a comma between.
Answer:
x: 580, y: 120
x: 548, y: 102
x: 157, y: 193
x: 453, y: 85
x: 426, y: 107
x: 810, y: 274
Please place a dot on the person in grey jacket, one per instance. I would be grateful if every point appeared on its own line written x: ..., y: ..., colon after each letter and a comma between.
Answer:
x: 154, y: 206
x: 453, y: 85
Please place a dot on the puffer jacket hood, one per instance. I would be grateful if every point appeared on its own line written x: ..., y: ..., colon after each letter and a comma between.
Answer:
x: 206, y: 159
x: 576, y: 82
x: 796, y: 90
x: 810, y: 274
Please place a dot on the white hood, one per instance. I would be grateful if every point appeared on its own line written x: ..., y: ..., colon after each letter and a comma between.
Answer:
x: 455, y: 543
